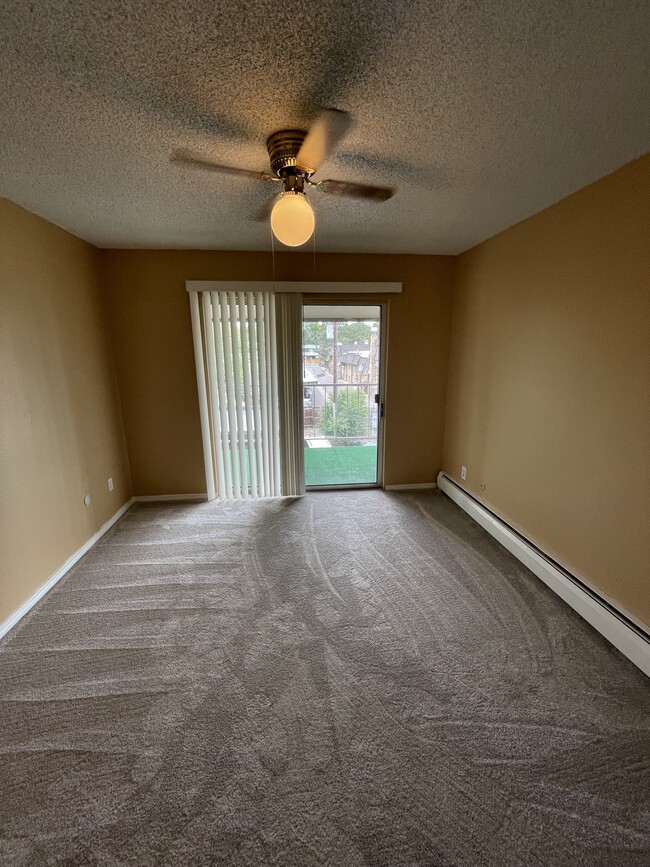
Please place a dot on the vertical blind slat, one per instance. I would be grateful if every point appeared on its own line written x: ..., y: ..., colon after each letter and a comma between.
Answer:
x: 197, y: 338
x: 248, y: 391
x: 214, y: 396
x: 290, y: 404
x: 222, y: 396
x: 275, y: 415
x: 226, y: 325
x: 255, y: 384
x: 269, y: 391
x: 261, y: 348
x: 239, y: 415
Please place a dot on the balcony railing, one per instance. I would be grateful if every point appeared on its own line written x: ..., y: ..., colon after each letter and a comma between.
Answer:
x: 344, y: 413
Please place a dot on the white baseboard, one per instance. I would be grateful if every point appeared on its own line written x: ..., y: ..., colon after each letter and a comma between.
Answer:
x: 13, y: 619
x: 173, y: 498
x: 419, y: 486
x: 599, y: 613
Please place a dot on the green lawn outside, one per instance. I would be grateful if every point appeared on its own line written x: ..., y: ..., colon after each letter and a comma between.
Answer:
x: 341, y: 465
x: 338, y: 465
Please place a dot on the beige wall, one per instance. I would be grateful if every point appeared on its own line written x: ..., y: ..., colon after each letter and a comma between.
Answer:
x: 549, y: 400
x: 150, y: 322
x: 547, y: 404
x: 61, y: 433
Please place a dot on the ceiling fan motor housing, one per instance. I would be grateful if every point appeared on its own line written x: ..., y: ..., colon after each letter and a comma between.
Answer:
x: 283, y: 147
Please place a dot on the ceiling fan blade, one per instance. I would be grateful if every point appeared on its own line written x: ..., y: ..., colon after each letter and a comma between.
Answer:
x: 185, y: 158
x: 356, y: 191
x: 327, y: 130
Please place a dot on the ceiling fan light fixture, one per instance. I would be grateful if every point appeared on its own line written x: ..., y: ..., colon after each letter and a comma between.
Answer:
x: 292, y: 219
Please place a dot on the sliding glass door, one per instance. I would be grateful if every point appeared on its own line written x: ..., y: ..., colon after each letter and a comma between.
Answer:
x: 290, y: 395
x: 342, y: 395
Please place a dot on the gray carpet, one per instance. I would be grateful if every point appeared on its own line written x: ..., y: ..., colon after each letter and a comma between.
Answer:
x: 355, y: 678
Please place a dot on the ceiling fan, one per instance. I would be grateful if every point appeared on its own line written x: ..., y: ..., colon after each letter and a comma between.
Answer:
x: 295, y: 156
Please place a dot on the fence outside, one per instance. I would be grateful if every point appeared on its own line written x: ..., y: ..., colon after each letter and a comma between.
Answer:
x: 342, y: 413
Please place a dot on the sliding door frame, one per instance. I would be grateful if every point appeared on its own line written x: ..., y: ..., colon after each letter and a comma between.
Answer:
x: 381, y: 410
x: 350, y: 293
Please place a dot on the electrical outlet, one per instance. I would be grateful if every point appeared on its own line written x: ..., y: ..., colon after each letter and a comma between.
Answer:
x: 463, y: 472
x: 110, y: 484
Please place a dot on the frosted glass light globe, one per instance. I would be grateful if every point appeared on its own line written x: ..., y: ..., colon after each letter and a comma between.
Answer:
x: 292, y: 219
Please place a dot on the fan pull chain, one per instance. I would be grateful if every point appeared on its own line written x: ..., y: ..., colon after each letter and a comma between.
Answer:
x: 272, y: 257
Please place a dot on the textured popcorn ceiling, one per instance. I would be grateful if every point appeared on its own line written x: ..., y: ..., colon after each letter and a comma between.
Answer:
x: 479, y: 113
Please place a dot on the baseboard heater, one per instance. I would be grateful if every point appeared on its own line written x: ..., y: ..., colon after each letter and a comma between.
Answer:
x: 618, y: 628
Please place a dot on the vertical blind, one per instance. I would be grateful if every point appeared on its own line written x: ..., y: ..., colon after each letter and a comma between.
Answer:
x: 290, y: 392
x: 237, y: 373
